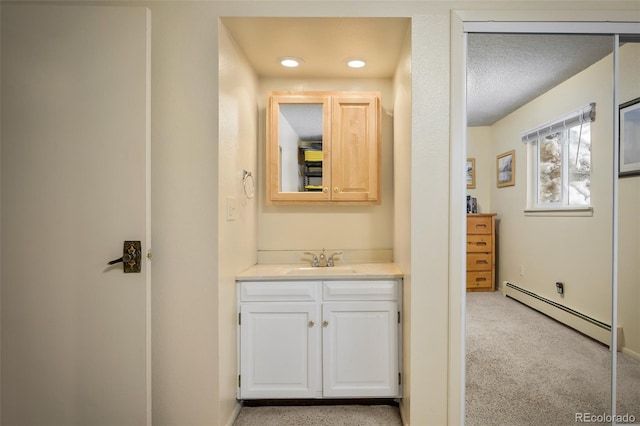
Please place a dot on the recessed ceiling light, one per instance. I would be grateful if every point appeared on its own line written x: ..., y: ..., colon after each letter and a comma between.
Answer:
x: 356, y: 63
x: 290, y: 62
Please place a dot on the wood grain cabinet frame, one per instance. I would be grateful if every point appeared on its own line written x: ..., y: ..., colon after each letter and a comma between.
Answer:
x: 351, y: 140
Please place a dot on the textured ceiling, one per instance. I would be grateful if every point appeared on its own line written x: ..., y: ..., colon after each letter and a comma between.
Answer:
x: 505, y: 71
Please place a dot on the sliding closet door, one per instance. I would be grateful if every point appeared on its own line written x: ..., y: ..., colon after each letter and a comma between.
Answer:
x: 627, y: 380
x: 617, y: 305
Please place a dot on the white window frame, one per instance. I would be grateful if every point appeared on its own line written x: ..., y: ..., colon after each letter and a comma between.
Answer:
x: 564, y: 202
x: 532, y: 137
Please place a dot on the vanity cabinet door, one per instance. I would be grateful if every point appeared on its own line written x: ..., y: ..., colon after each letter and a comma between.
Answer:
x: 360, y: 349
x: 280, y: 347
x: 355, y: 144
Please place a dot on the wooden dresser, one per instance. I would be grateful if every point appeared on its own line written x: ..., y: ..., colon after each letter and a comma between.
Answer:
x: 481, y: 252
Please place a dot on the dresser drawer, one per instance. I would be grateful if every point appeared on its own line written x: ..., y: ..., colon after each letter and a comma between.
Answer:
x: 479, y: 261
x: 479, y: 225
x: 478, y: 243
x: 479, y: 280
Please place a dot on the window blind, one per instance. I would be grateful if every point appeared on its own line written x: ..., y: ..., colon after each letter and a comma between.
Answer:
x: 586, y: 114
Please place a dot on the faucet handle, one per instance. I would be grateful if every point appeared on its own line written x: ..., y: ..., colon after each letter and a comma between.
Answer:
x: 330, y: 260
x: 315, y: 258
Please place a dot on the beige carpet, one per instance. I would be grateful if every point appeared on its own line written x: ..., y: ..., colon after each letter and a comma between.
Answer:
x: 320, y: 415
x: 526, y: 369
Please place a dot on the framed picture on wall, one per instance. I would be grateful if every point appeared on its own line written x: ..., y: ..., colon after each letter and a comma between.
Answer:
x: 471, y: 173
x: 630, y: 138
x: 506, y: 169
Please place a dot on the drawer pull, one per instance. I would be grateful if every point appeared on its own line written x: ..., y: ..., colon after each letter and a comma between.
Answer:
x: 481, y: 243
x: 481, y: 262
x: 481, y: 225
x: 478, y: 279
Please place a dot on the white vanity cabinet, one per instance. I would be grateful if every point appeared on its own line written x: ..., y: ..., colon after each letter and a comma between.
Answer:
x: 319, y: 339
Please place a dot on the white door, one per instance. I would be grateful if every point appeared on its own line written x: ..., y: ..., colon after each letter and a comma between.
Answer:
x: 75, y: 185
x: 360, y: 349
x: 280, y: 350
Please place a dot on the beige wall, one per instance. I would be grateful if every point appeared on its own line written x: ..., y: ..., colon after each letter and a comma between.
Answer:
x: 573, y: 250
x: 191, y: 310
x: 428, y: 266
x: 184, y: 181
x: 479, y: 147
x: 332, y: 227
x: 237, y: 242
x: 402, y: 203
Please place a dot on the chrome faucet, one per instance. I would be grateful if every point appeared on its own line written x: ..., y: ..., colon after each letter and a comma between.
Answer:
x: 322, y: 260
x: 330, y: 260
x: 315, y: 262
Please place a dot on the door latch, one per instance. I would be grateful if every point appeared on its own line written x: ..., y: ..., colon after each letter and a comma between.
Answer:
x: 131, y: 257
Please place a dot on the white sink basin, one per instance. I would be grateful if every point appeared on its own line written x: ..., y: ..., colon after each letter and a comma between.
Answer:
x: 329, y: 270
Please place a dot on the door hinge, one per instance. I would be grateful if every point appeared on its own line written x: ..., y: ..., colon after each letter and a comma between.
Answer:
x: 399, y: 378
x: 239, y: 318
x: 398, y: 317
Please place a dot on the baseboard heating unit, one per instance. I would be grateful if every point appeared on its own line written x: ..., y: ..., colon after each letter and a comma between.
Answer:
x: 593, y: 328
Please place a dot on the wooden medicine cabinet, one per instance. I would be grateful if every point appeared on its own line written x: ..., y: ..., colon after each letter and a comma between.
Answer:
x: 323, y: 148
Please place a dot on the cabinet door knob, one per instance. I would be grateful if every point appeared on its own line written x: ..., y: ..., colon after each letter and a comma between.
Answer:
x: 325, y: 323
x: 311, y: 323
x: 335, y: 189
x: 325, y: 189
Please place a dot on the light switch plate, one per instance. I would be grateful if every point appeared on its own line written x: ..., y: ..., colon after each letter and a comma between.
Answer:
x: 231, y: 208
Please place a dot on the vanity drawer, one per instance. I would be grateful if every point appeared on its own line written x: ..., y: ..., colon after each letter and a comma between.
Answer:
x: 479, y: 261
x: 479, y: 280
x: 479, y: 224
x: 478, y: 243
x: 360, y: 290
x: 276, y: 291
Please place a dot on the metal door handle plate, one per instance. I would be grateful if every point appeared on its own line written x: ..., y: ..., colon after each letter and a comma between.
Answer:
x: 131, y: 257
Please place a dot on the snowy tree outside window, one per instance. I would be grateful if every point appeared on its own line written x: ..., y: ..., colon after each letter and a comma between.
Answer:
x: 563, y: 172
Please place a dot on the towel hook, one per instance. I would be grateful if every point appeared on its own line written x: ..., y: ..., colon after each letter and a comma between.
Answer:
x: 249, y: 193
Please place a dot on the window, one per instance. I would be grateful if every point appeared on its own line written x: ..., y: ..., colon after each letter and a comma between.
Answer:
x: 563, y: 177
x: 561, y: 172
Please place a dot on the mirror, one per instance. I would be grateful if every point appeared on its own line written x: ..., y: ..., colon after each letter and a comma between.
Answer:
x: 628, y: 356
x: 300, y: 136
x: 522, y: 366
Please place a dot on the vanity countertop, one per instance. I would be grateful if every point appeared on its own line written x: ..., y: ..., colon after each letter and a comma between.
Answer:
x: 300, y: 271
